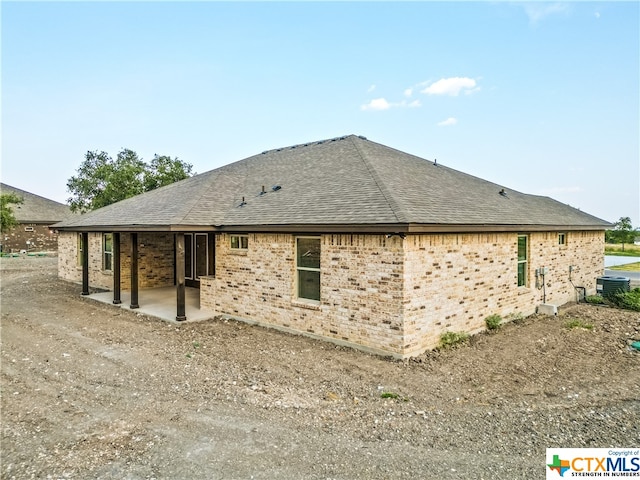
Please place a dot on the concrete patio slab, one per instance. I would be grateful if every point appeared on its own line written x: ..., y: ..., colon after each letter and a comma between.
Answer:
x: 160, y: 303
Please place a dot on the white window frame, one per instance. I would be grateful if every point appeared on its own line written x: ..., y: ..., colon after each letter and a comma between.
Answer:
x: 79, y: 249
x: 562, y: 239
x: 241, y: 242
x: 524, y: 263
x: 107, y: 253
x: 307, y: 269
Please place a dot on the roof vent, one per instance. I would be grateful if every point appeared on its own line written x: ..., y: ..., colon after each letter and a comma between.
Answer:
x: 263, y: 191
x: 275, y: 188
x: 242, y: 203
x: 503, y: 192
x: 362, y: 137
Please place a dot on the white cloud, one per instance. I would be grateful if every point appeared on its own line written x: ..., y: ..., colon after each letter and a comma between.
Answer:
x: 408, y: 92
x: 371, y: 88
x: 376, y: 104
x: 597, y: 14
x: 448, y: 122
x: 538, y: 11
x: 451, y: 86
x: 383, y: 104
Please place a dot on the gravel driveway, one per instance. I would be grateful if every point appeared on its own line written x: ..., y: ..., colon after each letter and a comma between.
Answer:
x: 93, y: 391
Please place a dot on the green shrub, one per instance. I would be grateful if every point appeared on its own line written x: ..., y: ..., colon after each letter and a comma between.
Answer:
x: 389, y: 395
x: 627, y: 300
x: 577, y: 323
x: 594, y: 299
x: 493, y: 322
x: 452, y: 339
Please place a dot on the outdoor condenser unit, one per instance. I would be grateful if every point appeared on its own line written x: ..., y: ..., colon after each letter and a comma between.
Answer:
x: 608, y: 285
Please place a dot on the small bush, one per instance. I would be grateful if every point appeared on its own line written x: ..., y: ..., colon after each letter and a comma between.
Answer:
x: 452, y: 339
x: 493, y: 322
x: 594, y: 299
x: 389, y: 395
x: 627, y: 300
x: 577, y: 323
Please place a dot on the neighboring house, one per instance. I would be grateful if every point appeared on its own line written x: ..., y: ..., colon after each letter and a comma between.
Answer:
x: 34, y: 215
x: 344, y: 239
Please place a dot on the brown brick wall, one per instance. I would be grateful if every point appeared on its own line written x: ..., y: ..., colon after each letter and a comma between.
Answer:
x: 155, y: 260
x: 41, y: 238
x: 384, y: 294
x: 453, y: 282
x: 361, y: 288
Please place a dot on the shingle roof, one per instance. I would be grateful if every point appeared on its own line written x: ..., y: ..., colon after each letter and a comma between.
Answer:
x: 346, y: 181
x: 36, y: 209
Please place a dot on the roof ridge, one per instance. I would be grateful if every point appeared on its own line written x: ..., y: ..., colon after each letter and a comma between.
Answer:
x: 213, y: 175
x: 6, y: 186
x: 395, y: 207
x: 312, y: 143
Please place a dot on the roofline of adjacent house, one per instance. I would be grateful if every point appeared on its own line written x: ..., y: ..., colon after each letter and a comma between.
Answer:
x: 335, y: 228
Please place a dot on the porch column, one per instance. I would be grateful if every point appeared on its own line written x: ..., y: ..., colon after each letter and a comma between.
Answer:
x: 134, y: 271
x: 85, y: 263
x: 116, y: 268
x: 180, y: 286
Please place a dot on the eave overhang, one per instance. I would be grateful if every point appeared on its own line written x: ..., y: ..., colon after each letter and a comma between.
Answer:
x: 405, y: 228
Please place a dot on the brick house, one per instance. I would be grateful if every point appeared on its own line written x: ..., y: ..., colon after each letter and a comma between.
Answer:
x: 34, y: 215
x: 342, y: 239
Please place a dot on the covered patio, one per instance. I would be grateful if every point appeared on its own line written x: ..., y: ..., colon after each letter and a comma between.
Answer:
x: 159, y: 302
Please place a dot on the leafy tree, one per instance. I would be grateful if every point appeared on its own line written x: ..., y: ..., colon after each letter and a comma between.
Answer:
x: 165, y: 170
x: 101, y: 181
x: 7, y: 219
x: 622, y: 232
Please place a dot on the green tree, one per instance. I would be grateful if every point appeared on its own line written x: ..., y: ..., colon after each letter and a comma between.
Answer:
x: 164, y: 170
x: 101, y: 181
x: 7, y: 218
x: 622, y: 232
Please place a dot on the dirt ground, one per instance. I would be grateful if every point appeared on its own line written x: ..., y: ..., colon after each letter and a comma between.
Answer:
x: 92, y: 391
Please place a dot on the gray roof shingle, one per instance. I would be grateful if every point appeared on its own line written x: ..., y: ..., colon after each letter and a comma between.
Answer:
x: 36, y: 209
x: 347, y: 181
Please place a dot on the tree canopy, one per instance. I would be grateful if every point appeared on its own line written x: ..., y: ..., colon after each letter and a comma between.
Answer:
x: 7, y: 218
x: 101, y: 180
x: 623, y: 232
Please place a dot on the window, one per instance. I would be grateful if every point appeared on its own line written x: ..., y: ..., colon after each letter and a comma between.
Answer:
x: 562, y: 239
x: 522, y: 261
x: 308, y: 268
x: 107, y: 251
x: 79, y: 249
x: 28, y: 229
x: 239, y: 242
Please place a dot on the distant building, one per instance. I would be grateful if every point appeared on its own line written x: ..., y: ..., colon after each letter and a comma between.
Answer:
x: 35, y: 214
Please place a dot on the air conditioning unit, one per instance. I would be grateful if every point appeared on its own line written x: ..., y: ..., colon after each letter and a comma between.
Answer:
x: 608, y: 285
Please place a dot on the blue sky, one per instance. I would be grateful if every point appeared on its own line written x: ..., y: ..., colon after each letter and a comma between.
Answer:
x: 539, y: 97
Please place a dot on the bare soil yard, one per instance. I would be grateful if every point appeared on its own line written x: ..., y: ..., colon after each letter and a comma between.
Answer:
x: 93, y: 391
